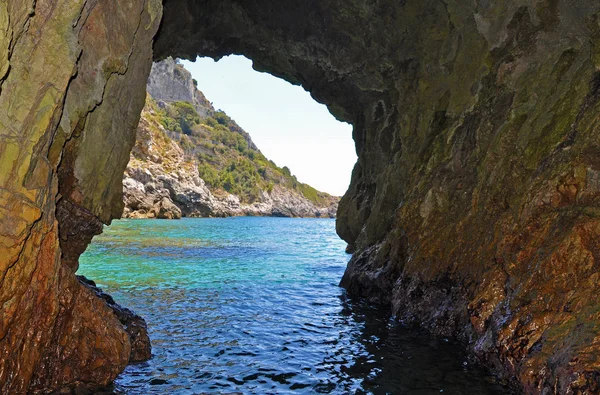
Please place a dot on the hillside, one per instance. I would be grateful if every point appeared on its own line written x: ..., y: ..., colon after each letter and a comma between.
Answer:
x: 192, y: 160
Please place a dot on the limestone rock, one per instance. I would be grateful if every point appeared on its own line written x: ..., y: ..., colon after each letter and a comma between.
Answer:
x: 168, y: 210
x: 171, y: 82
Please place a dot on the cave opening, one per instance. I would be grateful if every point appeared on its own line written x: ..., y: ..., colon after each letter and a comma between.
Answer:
x: 248, y: 303
x: 472, y: 210
x: 198, y: 278
x: 220, y: 139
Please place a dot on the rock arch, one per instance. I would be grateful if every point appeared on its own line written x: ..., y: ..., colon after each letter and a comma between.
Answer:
x: 473, y: 208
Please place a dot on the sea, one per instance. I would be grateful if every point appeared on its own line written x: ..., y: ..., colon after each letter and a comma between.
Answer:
x: 252, y: 305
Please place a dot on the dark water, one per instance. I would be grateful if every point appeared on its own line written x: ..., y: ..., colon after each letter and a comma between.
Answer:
x: 252, y: 305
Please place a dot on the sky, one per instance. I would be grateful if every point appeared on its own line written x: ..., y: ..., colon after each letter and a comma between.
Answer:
x: 284, y: 121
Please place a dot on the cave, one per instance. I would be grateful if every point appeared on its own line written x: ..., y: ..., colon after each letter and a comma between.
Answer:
x: 473, y: 206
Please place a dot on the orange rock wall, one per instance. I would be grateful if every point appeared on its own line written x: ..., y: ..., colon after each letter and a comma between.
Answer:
x: 66, y: 68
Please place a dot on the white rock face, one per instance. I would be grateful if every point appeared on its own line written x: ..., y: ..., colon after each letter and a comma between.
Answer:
x: 170, y: 82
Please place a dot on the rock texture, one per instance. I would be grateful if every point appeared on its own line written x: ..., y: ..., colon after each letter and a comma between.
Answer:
x: 474, y: 205
x: 134, y: 325
x: 72, y: 78
x: 171, y: 82
x: 161, y: 181
x: 473, y: 209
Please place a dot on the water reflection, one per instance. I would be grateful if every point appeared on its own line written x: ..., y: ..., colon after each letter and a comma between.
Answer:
x: 352, y: 348
x: 398, y: 360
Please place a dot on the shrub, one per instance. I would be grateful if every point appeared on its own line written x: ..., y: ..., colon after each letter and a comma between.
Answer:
x: 241, y: 143
x: 209, y: 174
x: 310, y: 193
x: 227, y: 181
x: 222, y: 118
x: 170, y: 124
x: 187, y: 116
x: 209, y: 121
x: 186, y: 143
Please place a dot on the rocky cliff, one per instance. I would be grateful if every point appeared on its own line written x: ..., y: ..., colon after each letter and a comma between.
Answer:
x: 171, y: 82
x: 163, y: 181
x: 473, y: 209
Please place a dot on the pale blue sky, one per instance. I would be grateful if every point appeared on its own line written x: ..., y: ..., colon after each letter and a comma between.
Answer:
x: 286, y: 124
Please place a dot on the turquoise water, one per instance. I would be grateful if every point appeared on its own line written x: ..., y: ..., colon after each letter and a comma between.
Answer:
x: 252, y: 306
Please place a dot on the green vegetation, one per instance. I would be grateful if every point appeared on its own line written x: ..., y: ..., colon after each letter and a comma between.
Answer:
x: 226, y: 159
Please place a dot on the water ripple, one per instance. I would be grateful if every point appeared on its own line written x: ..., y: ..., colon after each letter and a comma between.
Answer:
x: 251, y: 305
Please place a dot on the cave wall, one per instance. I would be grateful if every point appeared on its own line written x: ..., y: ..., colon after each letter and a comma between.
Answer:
x: 72, y: 79
x: 473, y: 208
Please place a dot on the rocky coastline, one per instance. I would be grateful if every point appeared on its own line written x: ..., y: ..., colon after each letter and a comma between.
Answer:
x: 162, y: 181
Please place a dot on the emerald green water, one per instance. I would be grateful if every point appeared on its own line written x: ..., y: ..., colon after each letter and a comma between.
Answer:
x: 252, y: 306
